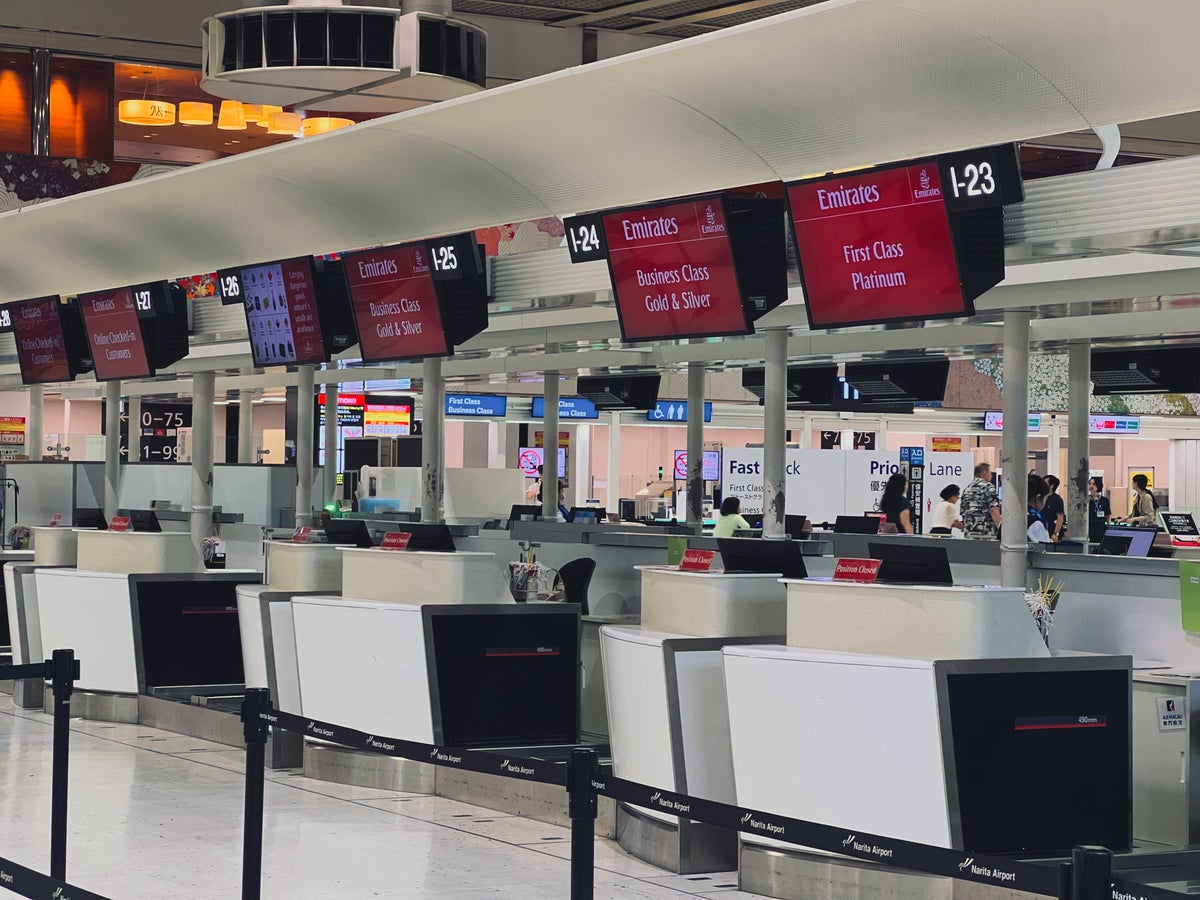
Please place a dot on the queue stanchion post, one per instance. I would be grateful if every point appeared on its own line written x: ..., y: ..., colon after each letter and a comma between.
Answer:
x: 582, y: 806
x: 1091, y: 872
x: 254, y: 729
x: 62, y: 669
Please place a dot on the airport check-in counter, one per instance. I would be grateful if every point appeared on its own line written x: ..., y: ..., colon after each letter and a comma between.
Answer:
x: 142, y: 614
x: 14, y: 642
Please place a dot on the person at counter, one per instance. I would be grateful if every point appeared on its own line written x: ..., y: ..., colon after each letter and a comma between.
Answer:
x: 945, y: 514
x: 730, y: 519
x: 1099, y: 509
x: 1054, y: 513
x: 1145, y: 507
x: 894, y: 504
x: 1035, y: 524
x: 980, y: 506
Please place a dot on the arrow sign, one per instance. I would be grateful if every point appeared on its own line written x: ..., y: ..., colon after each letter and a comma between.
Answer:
x: 124, y: 451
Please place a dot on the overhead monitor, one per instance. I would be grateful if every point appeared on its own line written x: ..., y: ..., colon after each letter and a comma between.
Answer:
x: 41, y: 346
x: 1115, y: 426
x: 620, y: 391
x: 994, y: 421
x: 711, y: 465
x: 280, y: 302
x: 395, y: 304
x: 114, y: 333
x: 1127, y: 540
x: 673, y: 271
x: 529, y: 458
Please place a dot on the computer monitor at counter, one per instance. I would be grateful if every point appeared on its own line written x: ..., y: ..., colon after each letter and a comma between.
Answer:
x: 89, y: 517
x: 744, y: 555
x: 141, y: 519
x: 906, y: 563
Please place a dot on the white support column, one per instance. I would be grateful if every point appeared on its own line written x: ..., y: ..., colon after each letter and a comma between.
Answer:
x: 133, y: 416
x: 1079, y: 398
x: 246, y: 426
x: 331, y: 431
x: 35, y: 439
x: 581, y: 447
x: 203, y: 389
x: 695, y: 443
x: 305, y: 377
x: 433, y: 457
x: 550, y: 449
x: 614, y: 462
x: 806, y: 427
x: 112, y: 447
x: 1014, y: 455
x: 774, y: 434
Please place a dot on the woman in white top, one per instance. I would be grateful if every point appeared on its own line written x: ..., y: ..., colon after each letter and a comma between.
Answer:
x: 945, y: 514
x: 730, y: 519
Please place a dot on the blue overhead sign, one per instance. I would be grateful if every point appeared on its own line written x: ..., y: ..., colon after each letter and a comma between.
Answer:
x: 568, y: 408
x: 476, y: 405
x: 674, y: 411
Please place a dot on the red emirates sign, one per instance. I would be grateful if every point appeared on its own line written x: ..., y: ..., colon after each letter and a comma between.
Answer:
x: 396, y: 540
x: 118, y: 523
x: 862, y: 570
x: 300, y: 535
x: 697, y: 560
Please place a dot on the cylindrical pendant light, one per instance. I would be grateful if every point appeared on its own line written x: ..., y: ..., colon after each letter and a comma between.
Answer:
x: 146, y: 112
x: 267, y: 111
x: 253, y: 113
x: 192, y: 112
x: 324, y: 124
x: 232, y: 117
x: 284, y: 123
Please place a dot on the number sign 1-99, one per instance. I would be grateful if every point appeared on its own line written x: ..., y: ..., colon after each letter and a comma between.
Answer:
x: 585, y: 238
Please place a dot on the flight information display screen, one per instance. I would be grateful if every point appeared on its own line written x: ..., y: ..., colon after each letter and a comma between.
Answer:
x: 673, y: 272
x: 876, y: 246
x: 395, y: 304
x: 114, y: 332
x: 41, y: 350
x: 281, y: 313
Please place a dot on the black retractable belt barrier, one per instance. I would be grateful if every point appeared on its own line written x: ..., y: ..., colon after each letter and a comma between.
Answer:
x: 26, y: 882
x: 581, y: 804
x: 254, y: 728
x: 62, y: 670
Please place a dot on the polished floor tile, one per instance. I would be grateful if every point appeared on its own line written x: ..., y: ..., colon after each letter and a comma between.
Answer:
x: 154, y: 814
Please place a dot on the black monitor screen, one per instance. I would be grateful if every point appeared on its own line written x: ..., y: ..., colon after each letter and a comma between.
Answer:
x: 794, y: 526
x: 856, y: 525
x: 348, y: 531
x: 142, y: 520
x: 1124, y: 540
x: 753, y: 555
x: 89, y: 517
x: 506, y: 679
x: 524, y: 511
x: 427, y: 536
x: 590, y: 515
x: 1076, y: 725
x: 1180, y: 525
x: 909, y: 564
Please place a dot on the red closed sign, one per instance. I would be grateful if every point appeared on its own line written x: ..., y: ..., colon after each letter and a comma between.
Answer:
x: 396, y: 540
x: 697, y: 560
x: 300, y: 535
x: 864, y: 570
x: 118, y: 523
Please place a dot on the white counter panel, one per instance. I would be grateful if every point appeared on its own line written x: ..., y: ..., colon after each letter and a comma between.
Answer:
x: 138, y: 552
x: 712, y: 604
x: 303, y: 567
x: 850, y: 741
x: 362, y: 664
x: 287, y: 670
x: 92, y: 614
x: 55, y: 546
x: 421, y: 577
x: 250, y: 626
x: 919, y: 621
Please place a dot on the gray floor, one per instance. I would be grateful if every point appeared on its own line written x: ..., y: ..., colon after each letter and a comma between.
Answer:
x: 154, y: 814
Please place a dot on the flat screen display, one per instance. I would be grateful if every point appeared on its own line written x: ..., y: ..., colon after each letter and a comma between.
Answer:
x: 114, y: 332
x: 281, y: 313
x: 529, y: 458
x: 1180, y: 525
x: 994, y: 421
x: 1123, y: 540
x: 395, y: 304
x: 673, y: 272
x: 41, y: 350
x: 1115, y: 425
x: 876, y: 247
x: 711, y: 465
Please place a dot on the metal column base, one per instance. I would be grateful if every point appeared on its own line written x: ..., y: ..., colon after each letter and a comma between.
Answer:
x: 191, y: 720
x: 540, y: 802
x: 327, y: 762
x: 797, y: 875
x: 98, y: 706
x: 686, y: 848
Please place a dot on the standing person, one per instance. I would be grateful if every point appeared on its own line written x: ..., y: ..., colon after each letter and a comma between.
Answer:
x: 534, y: 491
x: 1145, y: 507
x: 945, y: 514
x: 980, y: 505
x: 1099, y: 509
x: 1035, y: 523
x: 730, y: 519
x: 1054, y: 513
x: 894, y: 504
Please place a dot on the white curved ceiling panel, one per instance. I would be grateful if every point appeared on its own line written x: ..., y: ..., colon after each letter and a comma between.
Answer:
x: 841, y: 84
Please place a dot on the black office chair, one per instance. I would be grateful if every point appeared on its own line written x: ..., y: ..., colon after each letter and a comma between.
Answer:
x: 576, y: 577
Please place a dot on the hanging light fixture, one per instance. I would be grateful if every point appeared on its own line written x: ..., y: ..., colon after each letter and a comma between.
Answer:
x: 232, y: 117
x: 253, y: 113
x: 285, y: 123
x: 193, y: 112
x: 324, y: 124
x: 146, y: 112
x: 267, y: 111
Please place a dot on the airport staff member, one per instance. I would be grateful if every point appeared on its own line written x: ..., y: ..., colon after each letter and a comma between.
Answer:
x: 730, y: 519
x: 980, y: 505
x: 1099, y: 509
x: 1145, y: 507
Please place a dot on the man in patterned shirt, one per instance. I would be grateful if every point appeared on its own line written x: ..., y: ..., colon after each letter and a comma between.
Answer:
x: 980, y: 505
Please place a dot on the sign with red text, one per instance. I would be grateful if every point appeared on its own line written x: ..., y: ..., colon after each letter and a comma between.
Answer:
x: 110, y: 321
x: 876, y: 247
x: 12, y: 430
x: 697, y: 560
x: 41, y: 351
x: 55, y: 520
x: 281, y: 313
x: 673, y: 272
x: 396, y: 540
x: 861, y: 570
x: 118, y: 523
x: 395, y: 304
x: 300, y: 535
